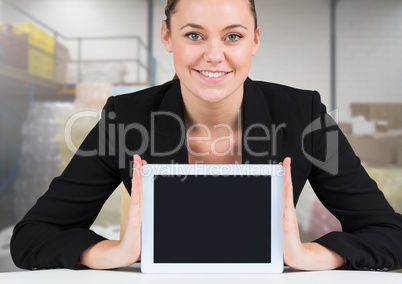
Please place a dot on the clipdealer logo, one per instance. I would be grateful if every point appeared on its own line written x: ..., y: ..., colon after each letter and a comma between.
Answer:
x: 112, y: 137
x: 107, y: 145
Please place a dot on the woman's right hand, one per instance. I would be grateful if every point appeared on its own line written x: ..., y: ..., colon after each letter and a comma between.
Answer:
x: 131, y: 240
x: 109, y: 254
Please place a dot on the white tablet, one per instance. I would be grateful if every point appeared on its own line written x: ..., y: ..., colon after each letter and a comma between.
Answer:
x: 212, y: 219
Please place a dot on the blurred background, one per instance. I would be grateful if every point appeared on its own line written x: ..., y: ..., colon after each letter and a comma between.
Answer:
x: 61, y: 57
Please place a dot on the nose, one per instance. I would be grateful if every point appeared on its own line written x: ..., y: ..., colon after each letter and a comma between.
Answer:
x: 214, y: 52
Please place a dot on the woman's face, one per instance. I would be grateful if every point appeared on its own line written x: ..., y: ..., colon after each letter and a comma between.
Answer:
x: 212, y: 44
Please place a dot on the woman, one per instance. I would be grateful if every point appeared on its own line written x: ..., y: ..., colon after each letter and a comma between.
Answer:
x: 212, y: 113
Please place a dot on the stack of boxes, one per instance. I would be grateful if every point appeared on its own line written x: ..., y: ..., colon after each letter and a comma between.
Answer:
x: 40, y: 51
x: 27, y: 47
x: 376, y: 133
x: 13, y: 48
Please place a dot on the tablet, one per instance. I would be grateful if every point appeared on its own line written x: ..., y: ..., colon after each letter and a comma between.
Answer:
x: 212, y: 219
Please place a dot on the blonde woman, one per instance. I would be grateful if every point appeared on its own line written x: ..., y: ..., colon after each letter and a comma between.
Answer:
x: 212, y: 113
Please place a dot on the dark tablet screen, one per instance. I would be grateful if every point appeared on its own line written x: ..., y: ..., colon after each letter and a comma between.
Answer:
x: 212, y: 219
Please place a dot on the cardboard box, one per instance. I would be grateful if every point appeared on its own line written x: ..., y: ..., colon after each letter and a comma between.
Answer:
x: 36, y: 37
x: 390, y: 112
x: 13, y: 48
x: 361, y: 109
x: 379, y: 148
x: 395, y: 115
x: 40, y: 64
x: 378, y: 111
x: 62, y: 57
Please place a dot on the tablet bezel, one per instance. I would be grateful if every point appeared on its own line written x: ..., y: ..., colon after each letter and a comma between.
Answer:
x: 147, y: 234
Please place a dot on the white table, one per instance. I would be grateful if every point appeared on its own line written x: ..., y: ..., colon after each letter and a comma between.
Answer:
x: 133, y: 275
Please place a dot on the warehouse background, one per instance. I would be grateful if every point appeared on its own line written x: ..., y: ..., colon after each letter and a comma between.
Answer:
x: 82, y: 51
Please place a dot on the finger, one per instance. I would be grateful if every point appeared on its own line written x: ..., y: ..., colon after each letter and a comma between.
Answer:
x: 142, y: 190
x: 292, y: 246
x: 135, y: 215
x: 287, y: 185
x: 136, y: 181
x: 137, y: 162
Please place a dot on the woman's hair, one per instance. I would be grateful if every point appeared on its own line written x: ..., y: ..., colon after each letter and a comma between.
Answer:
x: 171, y: 6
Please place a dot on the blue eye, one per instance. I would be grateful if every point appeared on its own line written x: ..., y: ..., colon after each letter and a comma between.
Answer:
x: 194, y: 36
x: 233, y: 37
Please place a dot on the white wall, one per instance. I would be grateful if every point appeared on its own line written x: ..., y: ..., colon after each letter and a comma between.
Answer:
x: 90, y: 17
x: 369, y: 52
x: 295, y: 44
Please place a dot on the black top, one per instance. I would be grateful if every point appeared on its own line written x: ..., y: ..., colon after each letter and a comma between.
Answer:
x: 288, y: 121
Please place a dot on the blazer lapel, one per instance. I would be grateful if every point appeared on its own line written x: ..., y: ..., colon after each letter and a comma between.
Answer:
x: 169, y: 144
x: 261, y: 138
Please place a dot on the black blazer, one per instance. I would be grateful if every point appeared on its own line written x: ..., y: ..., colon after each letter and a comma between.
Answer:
x: 288, y: 121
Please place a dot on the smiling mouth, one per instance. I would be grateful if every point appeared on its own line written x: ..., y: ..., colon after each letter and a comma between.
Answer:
x: 210, y: 74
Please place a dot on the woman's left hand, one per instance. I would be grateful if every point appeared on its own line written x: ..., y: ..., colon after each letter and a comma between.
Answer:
x: 298, y: 255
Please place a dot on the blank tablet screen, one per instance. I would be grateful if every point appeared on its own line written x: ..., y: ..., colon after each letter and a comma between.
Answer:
x: 212, y: 219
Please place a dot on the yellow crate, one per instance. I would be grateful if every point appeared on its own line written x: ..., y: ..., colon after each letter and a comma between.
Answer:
x: 40, y: 64
x: 36, y: 36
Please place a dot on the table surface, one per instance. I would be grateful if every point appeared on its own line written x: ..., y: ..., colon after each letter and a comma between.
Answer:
x: 133, y: 275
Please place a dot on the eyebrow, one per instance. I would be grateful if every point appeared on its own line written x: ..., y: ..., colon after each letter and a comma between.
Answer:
x: 195, y: 26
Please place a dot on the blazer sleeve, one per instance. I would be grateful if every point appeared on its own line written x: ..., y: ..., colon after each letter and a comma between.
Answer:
x: 56, y: 230
x: 372, y: 232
